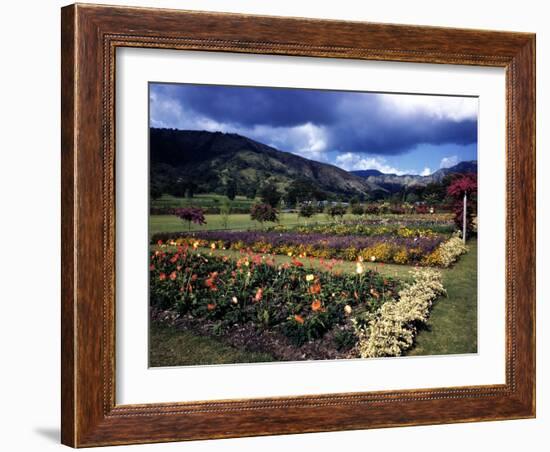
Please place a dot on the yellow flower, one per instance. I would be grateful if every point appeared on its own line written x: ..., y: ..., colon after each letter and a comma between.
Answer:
x: 213, y: 246
x: 289, y: 254
x: 310, y: 278
x: 359, y: 268
x: 372, y: 258
x: 196, y: 245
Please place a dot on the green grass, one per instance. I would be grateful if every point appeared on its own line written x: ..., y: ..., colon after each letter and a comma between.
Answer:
x: 451, y: 329
x: 237, y: 221
x: 172, y: 347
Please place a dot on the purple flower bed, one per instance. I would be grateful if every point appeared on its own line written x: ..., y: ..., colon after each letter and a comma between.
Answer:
x: 387, y: 248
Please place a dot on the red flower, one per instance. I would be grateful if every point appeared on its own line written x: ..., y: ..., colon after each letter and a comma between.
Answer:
x: 162, y: 276
x: 159, y: 242
x: 211, y: 306
x: 259, y: 295
x: 173, y: 276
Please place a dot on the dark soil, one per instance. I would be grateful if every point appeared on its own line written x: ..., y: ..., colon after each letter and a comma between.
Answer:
x: 251, y: 338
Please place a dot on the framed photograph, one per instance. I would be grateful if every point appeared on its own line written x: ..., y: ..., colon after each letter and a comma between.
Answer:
x: 282, y: 225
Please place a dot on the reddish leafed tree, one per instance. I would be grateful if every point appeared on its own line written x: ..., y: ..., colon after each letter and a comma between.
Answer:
x: 460, y: 186
x: 191, y: 215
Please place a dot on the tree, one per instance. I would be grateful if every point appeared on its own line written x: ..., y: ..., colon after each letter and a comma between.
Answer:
x: 336, y: 210
x: 355, y: 200
x: 306, y: 210
x: 191, y: 215
x: 270, y: 195
x: 231, y: 189
x: 251, y: 192
x: 303, y: 190
x: 262, y: 213
x: 412, y: 198
x: 357, y: 209
x: 463, y: 190
x: 155, y: 191
x: 225, y: 211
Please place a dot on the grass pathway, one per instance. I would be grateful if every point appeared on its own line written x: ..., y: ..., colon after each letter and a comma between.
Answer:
x: 172, y: 347
x: 452, y: 327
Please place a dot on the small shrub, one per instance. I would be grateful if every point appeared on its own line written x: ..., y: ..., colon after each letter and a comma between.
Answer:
x: 391, y: 330
x: 447, y: 253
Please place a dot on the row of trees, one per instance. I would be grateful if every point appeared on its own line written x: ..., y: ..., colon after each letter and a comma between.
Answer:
x: 462, y: 191
x: 302, y: 191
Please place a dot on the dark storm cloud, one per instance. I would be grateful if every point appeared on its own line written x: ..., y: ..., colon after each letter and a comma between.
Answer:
x: 258, y: 106
x: 379, y: 135
x: 351, y: 122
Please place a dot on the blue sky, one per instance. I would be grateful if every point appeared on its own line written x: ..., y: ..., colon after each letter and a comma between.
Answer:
x: 394, y: 133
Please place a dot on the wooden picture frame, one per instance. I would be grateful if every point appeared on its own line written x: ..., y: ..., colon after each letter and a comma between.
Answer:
x: 90, y: 36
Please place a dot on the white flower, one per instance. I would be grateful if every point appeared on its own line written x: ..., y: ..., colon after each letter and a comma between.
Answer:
x: 372, y: 258
x: 347, y: 309
x: 310, y: 278
x: 359, y: 268
x: 234, y: 300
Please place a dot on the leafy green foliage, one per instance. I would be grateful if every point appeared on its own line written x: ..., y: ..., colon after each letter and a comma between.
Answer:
x: 270, y: 195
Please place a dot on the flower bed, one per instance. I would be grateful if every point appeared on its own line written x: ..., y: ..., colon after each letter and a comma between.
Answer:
x: 360, y: 228
x: 382, y: 248
x: 290, y: 311
x: 301, y: 304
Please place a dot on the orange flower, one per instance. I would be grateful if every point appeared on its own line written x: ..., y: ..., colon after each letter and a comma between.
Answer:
x: 316, y: 305
x: 211, y: 306
x: 162, y: 276
x: 299, y: 319
x: 173, y: 276
x: 315, y: 288
x: 259, y: 295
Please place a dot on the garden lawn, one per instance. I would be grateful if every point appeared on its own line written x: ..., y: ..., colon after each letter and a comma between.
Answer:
x: 172, y: 347
x: 237, y: 221
x: 452, y: 327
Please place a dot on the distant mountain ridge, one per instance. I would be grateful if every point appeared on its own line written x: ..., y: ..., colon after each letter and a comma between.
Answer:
x: 211, y: 159
x: 394, y: 182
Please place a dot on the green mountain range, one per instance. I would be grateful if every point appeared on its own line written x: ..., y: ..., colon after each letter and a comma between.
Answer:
x: 209, y: 162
